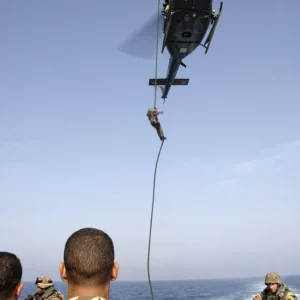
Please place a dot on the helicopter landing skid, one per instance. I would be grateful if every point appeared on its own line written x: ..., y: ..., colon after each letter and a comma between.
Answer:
x: 166, y: 31
x: 208, y: 40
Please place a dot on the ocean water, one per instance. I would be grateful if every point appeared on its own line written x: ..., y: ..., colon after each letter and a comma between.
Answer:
x: 229, y: 289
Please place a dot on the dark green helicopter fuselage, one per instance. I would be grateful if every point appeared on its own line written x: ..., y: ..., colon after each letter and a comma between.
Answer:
x: 186, y: 23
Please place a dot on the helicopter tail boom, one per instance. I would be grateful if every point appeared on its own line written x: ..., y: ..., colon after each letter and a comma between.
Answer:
x: 170, y: 80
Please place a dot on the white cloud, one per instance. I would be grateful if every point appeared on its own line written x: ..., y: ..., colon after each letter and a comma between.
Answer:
x: 264, y: 160
x: 256, y: 164
x: 287, y: 146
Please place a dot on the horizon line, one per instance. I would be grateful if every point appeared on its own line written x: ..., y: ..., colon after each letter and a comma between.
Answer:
x: 188, y: 279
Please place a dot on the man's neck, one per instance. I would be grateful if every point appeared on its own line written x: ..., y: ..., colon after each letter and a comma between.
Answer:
x: 99, y: 291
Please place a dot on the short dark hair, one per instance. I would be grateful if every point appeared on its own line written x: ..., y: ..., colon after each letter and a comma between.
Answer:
x: 89, y: 257
x: 10, y: 274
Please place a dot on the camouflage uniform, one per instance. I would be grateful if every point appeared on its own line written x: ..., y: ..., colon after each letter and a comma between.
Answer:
x: 152, y: 116
x: 86, y: 298
x: 49, y: 292
x: 282, y: 292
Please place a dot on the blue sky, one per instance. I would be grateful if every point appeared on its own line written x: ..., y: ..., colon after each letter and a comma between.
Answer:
x: 77, y: 150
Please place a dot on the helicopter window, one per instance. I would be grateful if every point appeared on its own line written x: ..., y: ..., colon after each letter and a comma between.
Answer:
x: 183, y: 50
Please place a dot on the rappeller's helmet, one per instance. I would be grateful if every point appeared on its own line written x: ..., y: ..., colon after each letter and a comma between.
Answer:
x: 272, y: 277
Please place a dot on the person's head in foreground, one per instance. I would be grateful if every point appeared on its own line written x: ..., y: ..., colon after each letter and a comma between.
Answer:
x: 10, y: 276
x: 89, y: 264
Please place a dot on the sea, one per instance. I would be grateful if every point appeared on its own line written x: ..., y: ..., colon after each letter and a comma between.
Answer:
x: 214, y: 289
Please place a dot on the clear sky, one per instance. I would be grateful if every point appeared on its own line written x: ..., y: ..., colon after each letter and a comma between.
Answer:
x: 77, y: 150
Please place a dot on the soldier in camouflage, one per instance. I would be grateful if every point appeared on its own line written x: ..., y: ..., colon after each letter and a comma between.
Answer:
x: 89, y: 265
x: 45, y: 290
x: 275, y: 290
x: 152, y: 116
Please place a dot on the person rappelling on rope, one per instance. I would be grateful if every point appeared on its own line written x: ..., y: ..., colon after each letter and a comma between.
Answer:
x: 152, y: 116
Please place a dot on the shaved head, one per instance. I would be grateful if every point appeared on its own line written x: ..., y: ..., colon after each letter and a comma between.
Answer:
x: 89, y: 257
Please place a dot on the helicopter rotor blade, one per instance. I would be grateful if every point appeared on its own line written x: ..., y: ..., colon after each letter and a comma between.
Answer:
x: 143, y: 42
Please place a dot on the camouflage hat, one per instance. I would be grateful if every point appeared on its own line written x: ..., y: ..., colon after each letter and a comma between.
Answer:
x: 44, y: 282
x: 272, y: 277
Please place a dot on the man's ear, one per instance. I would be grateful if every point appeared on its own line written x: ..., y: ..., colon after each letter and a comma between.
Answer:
x: 115, y: 271
x: 62, y: 272
x: 19, y: 289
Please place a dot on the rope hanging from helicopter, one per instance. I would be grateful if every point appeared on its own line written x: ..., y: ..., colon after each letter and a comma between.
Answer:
x: 152, y: 115
x: 156, y: 58
x: 155, y: 169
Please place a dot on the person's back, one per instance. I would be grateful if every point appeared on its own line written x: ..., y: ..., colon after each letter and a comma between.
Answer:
x: 10, y: 276
x: 89, y: 265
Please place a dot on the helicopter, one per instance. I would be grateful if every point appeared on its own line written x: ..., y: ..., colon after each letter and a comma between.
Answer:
x: 185, y: 23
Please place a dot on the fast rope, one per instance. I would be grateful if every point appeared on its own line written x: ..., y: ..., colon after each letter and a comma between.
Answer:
x: 151, y: 219
x: 157, y: 42
x: 154, y: 179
